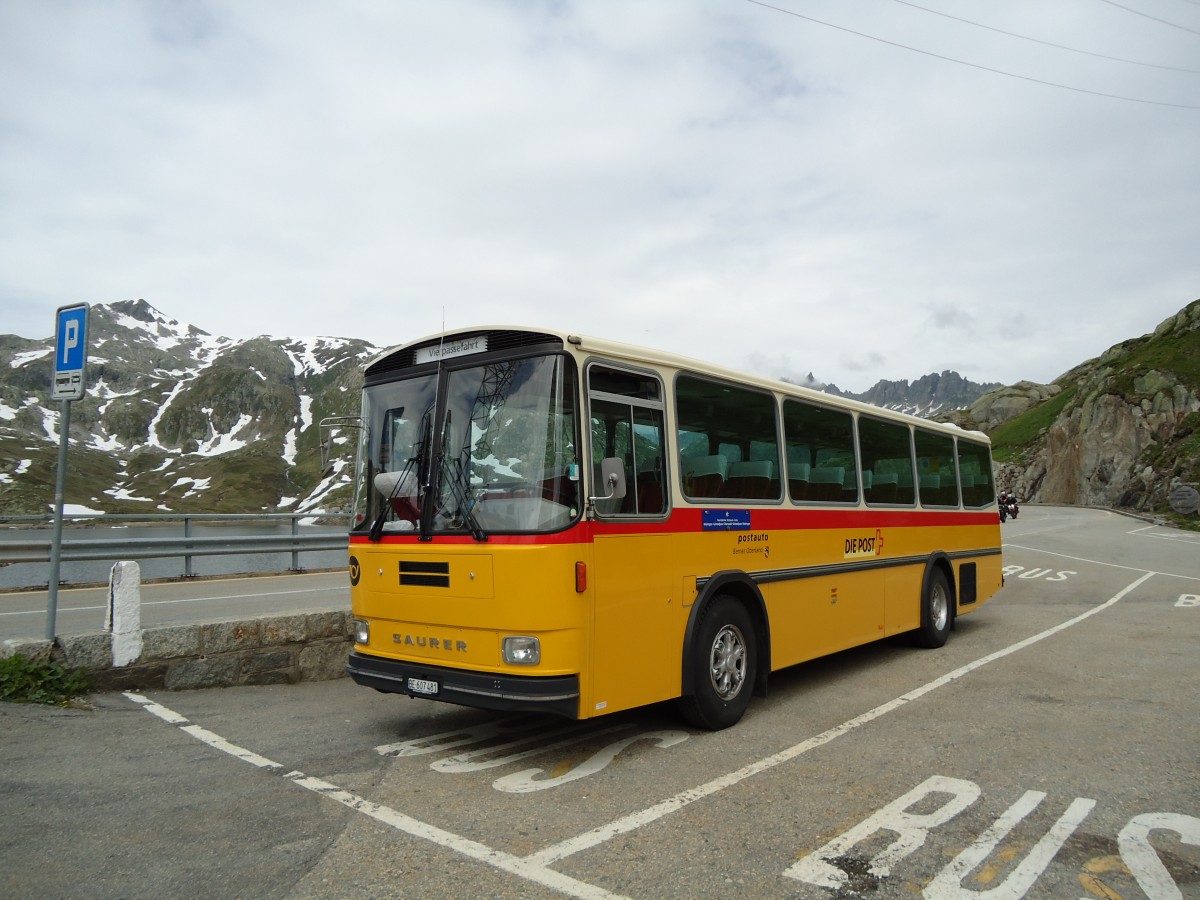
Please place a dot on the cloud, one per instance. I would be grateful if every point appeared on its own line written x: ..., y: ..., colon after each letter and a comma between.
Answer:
x: 714, y: 179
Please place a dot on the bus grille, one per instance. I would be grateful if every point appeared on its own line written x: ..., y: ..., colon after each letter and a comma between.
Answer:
x: 419, y: 573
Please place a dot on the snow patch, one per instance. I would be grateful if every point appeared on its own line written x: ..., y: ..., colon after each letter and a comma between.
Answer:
x: 314, y: 502
x: 29, y: 356
x: 163, y: 332
x: 306, y: 418
x: 303, y: 353
x: 120, y: 493
x: 107, y: 445
x: 78, y: 509
x: 225, y: 443
x: 292, y: 438
x: 102, y: 392
x: 289, y: 447
x: 198, y: 485
x: 152, y: 430
x: 50, y: 424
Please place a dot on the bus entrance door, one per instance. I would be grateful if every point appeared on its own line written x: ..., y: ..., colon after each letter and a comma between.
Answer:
x: 637, y: 638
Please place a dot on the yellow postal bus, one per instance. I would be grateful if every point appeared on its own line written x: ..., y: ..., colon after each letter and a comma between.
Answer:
x: 550, y: 522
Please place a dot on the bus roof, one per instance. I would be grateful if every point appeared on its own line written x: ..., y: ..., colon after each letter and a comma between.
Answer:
x: 647, y: 356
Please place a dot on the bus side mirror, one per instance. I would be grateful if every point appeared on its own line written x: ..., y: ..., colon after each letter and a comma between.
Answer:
x: 612, y: 474
x: 328, y: 430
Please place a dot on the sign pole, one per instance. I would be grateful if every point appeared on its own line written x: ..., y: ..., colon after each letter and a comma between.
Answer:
x: 60, y: 480
x: 67, y: 384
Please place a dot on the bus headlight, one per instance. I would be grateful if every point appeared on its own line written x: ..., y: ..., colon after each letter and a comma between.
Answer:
x: 362, y: 632
x: 522, y: 651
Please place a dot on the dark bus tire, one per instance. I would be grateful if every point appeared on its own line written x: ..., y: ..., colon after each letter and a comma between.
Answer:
x: 936, y: 614
x: 726, y: 655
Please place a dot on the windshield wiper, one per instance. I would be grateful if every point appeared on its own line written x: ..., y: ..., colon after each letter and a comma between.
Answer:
x: 406, y: 475
x: 466, y: 502
x: 459, y: 488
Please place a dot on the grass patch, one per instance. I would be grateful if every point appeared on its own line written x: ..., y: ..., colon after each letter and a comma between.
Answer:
x: 1014, y: 435
x: 1176, y: 353
x: 25, y: 681
x: 1186, y: 523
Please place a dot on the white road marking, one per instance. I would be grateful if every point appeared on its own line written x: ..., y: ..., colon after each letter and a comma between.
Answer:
x: 498, y: 755
x: 1134, y: 841
x: 497, y: 859
x: 636, y: 820
x: 526, y: 781
x: 947, y: 884
x: 1182, y: 537
x: 1100, y: 562
x: 535, y: 867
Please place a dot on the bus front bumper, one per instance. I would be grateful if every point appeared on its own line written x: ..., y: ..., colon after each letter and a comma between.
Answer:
x: 482, y: 690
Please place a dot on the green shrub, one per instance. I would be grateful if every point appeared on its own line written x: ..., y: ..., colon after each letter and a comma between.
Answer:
x: 25, y: 681
x: 1020, y: 433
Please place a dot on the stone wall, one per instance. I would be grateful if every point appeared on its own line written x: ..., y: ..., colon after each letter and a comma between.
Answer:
x: 275, y: 650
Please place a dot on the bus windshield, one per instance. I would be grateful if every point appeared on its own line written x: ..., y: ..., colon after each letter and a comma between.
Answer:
x: 491, y: 449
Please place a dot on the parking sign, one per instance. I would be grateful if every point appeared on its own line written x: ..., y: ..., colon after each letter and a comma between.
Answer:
x: 70, y: 352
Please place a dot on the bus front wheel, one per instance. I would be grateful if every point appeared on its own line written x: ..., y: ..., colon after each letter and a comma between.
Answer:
x: 724, y: 666
x: 935, y: 612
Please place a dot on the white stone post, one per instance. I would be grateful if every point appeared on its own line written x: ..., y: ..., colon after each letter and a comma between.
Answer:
x: 123, y: 620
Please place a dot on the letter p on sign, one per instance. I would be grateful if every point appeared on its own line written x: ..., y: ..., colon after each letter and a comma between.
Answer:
x: 70, y: 340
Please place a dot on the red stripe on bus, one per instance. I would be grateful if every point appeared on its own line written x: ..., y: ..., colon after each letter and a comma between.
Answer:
x: 690, y: 521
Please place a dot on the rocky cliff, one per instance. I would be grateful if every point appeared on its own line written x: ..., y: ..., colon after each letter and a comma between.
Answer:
x: 1116, y: 431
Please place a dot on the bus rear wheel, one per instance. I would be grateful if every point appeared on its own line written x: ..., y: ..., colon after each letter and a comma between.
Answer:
x: 936, y: 617
x: 724, y: 665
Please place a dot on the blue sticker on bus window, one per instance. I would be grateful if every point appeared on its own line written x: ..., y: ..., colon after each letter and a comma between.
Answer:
x: 726, y: 520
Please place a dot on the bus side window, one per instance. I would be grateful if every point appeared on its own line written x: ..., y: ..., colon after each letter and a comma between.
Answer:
x: 649, y: 493
x: 936, y: 469
x: 975, y: 468
x: 820, y: 453
x: 627, y: 423
x: 886, y: 449
x: 741, y: 424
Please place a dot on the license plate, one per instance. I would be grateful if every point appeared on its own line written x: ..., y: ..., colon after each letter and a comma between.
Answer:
x: 421, y: 686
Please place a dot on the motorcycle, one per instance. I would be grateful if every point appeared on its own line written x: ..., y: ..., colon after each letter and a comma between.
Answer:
x: 1008, y: 507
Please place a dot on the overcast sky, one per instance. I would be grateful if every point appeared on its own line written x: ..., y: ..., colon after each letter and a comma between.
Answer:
x: 861, y: 190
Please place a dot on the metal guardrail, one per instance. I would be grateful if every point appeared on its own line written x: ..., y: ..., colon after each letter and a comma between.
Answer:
x: 100, y: 518
x: 186, y: 545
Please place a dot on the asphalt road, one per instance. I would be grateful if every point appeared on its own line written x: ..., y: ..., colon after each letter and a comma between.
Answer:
x: 23, y: 613
x: 1050, y: 749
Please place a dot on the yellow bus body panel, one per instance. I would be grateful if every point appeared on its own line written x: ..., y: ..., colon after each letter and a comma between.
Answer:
x: 536, y: 597
x: 623, y: 635
x: 637, y: 634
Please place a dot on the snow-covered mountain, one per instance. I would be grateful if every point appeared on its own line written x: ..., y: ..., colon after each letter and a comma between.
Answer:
x: 178, y: 420
x: 928, y: 396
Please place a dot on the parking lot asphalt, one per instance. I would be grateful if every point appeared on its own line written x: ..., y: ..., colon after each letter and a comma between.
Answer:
x: 1051, y: 749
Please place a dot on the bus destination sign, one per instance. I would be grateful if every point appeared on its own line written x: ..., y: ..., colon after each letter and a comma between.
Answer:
x: 464, y: 347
